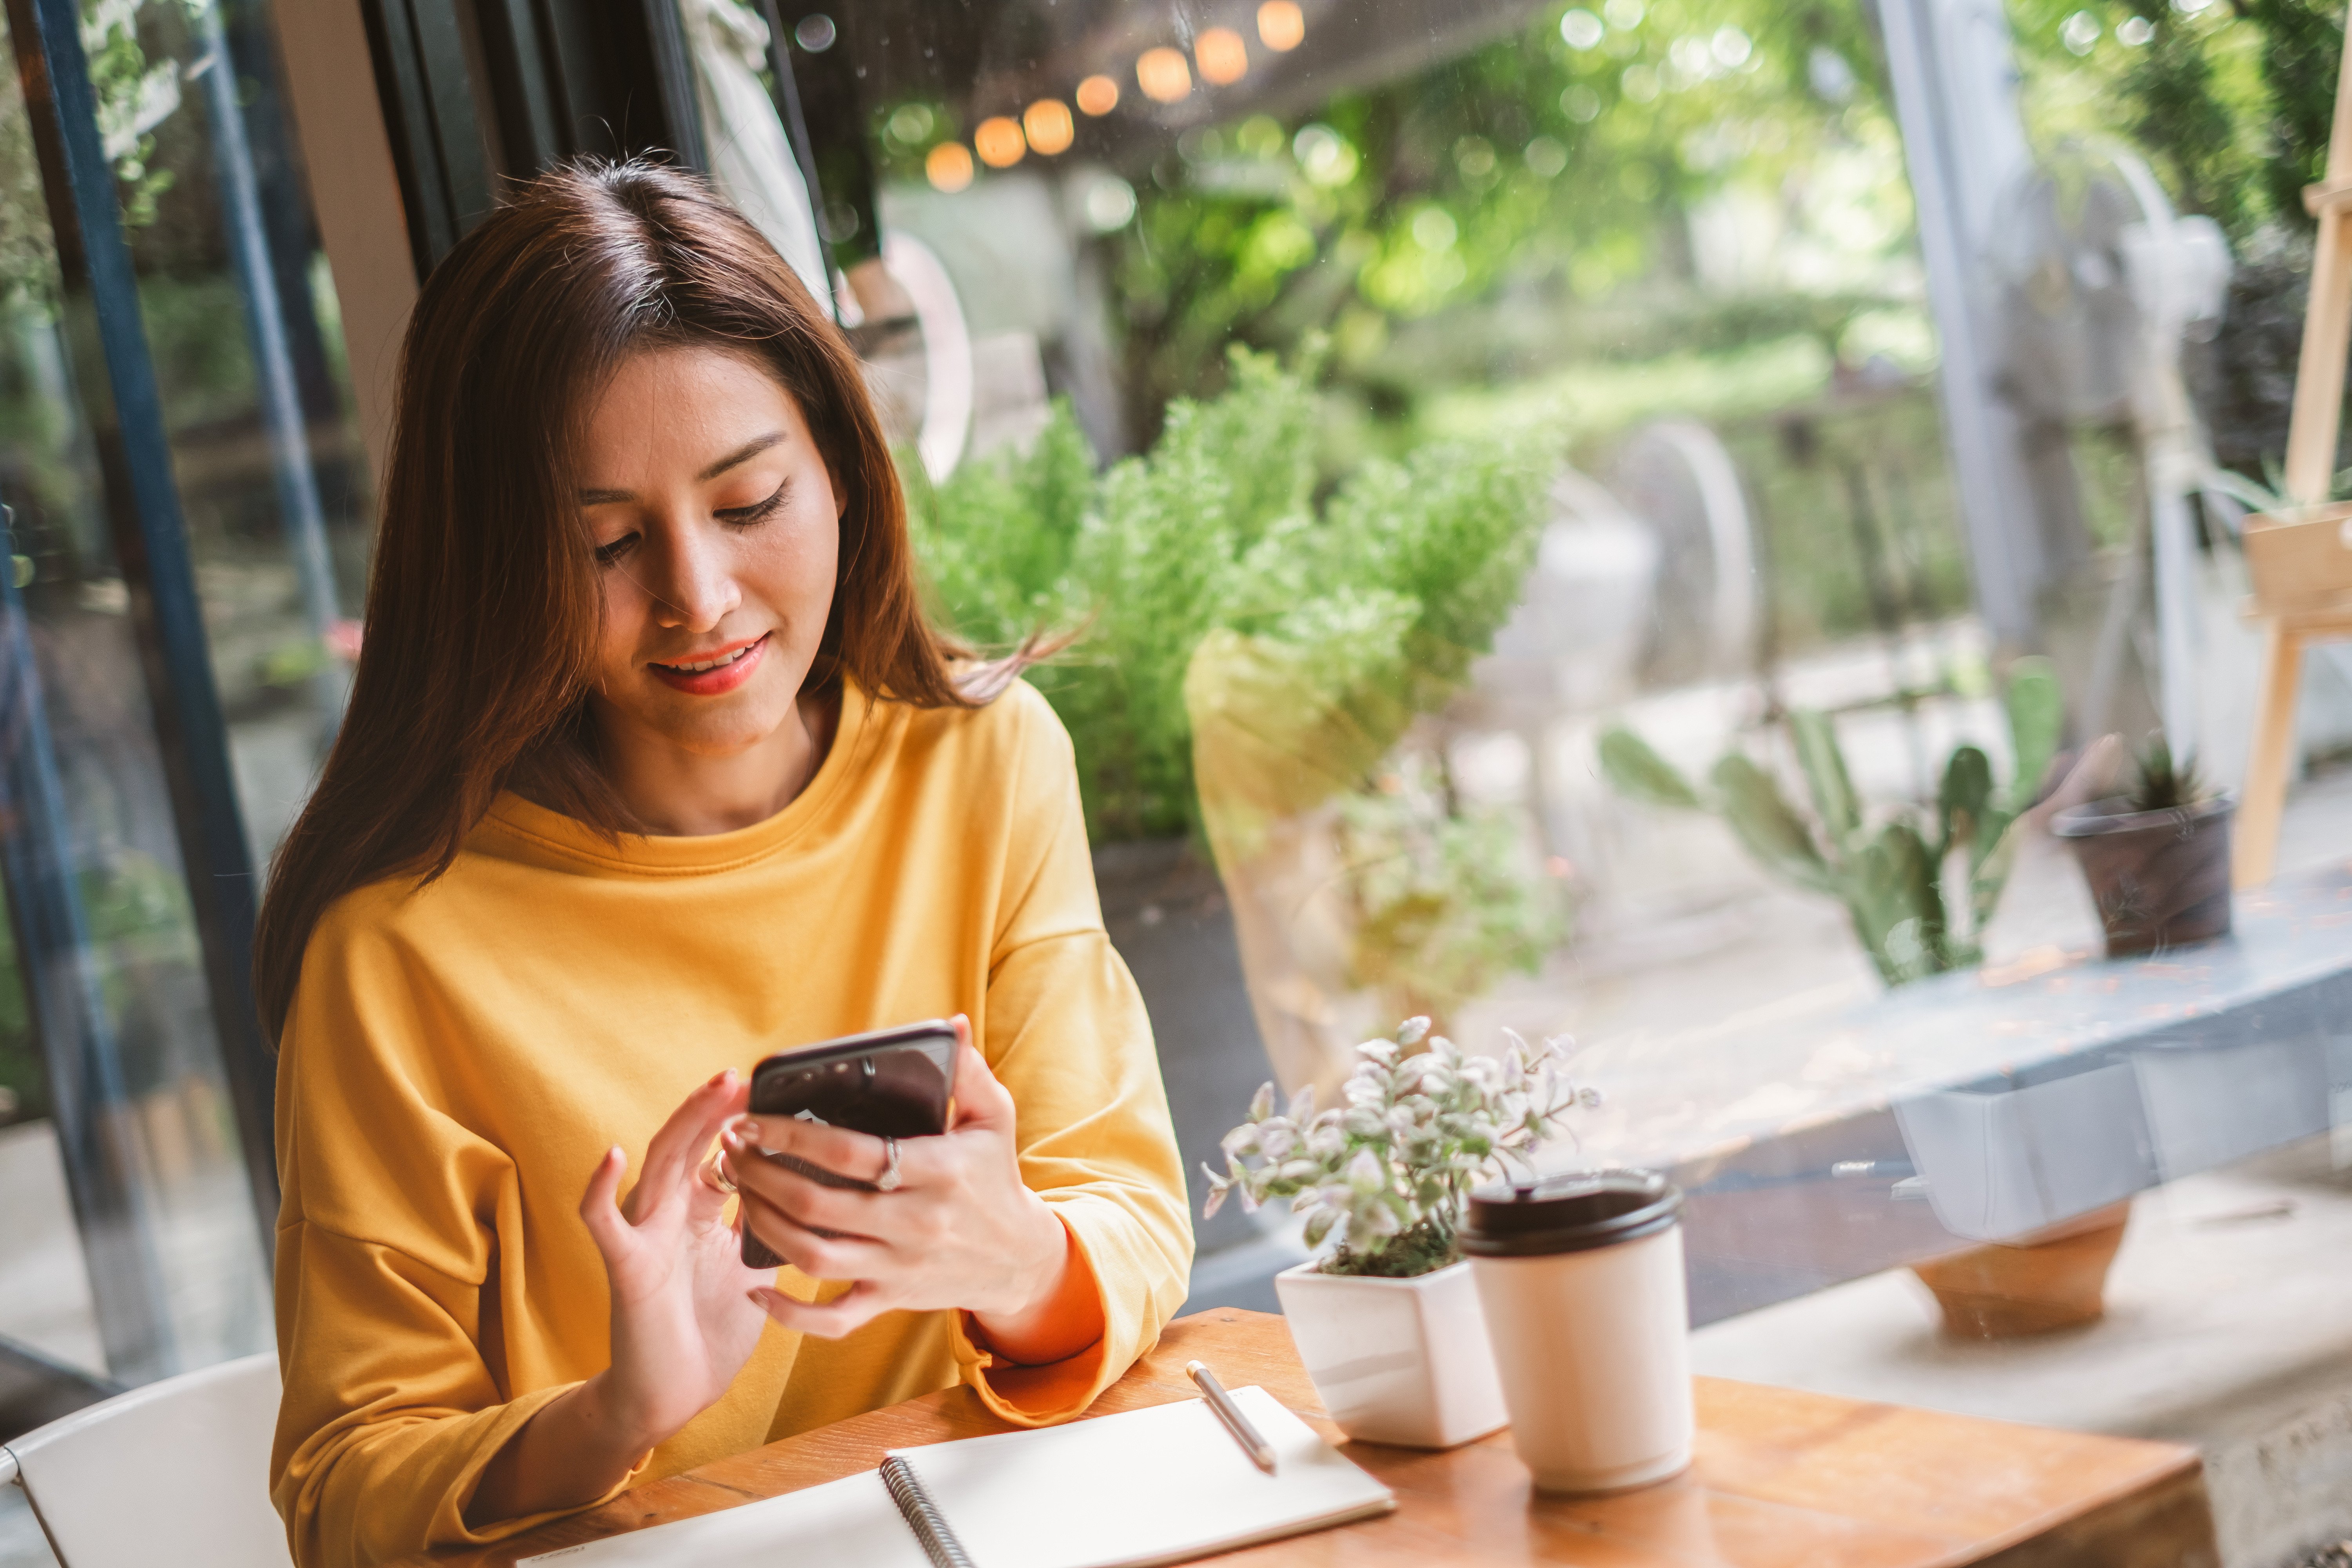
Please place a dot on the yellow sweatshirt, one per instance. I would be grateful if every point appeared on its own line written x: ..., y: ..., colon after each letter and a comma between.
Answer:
x: 457, y: 1059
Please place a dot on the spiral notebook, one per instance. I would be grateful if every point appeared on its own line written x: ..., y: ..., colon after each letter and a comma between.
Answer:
x: 1149, y: 1487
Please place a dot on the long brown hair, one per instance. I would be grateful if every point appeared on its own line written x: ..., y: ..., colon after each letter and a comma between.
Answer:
x: 483, y: 608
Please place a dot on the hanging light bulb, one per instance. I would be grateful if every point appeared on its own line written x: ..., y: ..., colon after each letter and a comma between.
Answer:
x: 1097, y: 95
x: 1163, y: 75
x: 1281, y: 25
x: 1049, y: 126
x: 948, y: 166
x: 1222, y: 57
x: 998, y: 141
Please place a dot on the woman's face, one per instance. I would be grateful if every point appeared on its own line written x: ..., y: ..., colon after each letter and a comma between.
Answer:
x: 717, y: 530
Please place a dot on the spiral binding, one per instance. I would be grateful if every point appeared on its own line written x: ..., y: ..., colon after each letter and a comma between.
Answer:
x: 922, y: 1515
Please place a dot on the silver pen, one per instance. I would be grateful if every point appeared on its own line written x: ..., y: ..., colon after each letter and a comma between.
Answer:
x: 1260, y: 1451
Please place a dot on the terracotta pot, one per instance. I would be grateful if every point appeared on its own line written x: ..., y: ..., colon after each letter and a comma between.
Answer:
x: 2057, y: 1279
x: 2161, y: 878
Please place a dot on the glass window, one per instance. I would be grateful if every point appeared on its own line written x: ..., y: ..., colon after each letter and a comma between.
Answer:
x: 131, y: 1248
x: 1560, y: 498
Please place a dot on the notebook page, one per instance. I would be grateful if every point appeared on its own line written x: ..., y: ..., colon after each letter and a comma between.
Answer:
x: 1148, y: 1487
x: 851, y: 1521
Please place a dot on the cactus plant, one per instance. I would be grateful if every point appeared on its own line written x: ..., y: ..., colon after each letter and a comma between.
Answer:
x: 1919, y: 889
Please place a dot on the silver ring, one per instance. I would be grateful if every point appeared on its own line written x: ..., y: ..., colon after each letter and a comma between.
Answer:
x: 720, y: 1178
x: 888, y: 1181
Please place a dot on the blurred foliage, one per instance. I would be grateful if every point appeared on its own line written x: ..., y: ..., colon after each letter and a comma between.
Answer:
x: 1446, y: 901
x: 1545, y: 173
x: 2231, y: 98
x: 136, y: 92
x: 136, y: 912
x: 1377, y: 601
x: 24, y: 1084
x: 1857, y: 520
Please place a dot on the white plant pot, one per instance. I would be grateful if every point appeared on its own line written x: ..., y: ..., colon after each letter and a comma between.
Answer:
x: 1396, y: 1361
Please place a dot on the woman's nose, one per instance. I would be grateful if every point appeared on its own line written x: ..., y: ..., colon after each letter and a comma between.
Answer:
x: 694, y: 587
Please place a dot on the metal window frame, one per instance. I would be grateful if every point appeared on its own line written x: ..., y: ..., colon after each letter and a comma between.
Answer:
x: 555, y: 78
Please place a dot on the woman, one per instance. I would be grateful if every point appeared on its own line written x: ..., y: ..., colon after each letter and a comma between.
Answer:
x: 652, y: 767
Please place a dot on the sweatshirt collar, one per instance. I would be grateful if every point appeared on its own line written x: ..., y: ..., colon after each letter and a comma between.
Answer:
x: 658, y: 855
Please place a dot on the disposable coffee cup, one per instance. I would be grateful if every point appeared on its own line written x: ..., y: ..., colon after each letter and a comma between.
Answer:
x: 1581, y: 1278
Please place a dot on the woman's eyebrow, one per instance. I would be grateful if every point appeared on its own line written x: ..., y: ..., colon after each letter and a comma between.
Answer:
x: 743, y: 454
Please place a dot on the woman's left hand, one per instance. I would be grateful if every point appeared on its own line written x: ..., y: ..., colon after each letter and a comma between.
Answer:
x: 960, y: 1231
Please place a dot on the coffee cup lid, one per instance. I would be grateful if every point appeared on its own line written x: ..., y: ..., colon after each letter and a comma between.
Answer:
x: 1571, y: 1213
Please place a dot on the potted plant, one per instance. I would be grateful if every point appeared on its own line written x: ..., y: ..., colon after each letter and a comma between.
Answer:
x: 2157, y: 859
x: 1375, y: 597
x: 2298, y: 552
x: 1387, y: 1320
x: 1920, y: 887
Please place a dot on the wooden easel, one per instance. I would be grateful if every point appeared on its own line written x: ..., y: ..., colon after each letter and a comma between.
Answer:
x: 2301, y: 562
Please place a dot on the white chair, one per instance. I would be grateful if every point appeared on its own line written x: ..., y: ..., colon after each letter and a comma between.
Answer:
x: 175, y: 1472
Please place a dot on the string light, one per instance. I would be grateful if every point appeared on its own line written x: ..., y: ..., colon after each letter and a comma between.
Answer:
x: 1281, y: 25
x: 1048, y: 125
x: 948, y: 166
x: 998, y: 141
x: 1224, y: 59
x: 1163, y: 75
x: 1097, y: 95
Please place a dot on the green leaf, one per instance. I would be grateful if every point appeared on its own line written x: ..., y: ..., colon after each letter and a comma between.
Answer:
x: 1964, y: 799
x: 2254, y: 497
x: 1767, y: 824
x: 1897, y: 909
x: 1823, y: 762
x: 2036, y: 715
x: 1636, y: 771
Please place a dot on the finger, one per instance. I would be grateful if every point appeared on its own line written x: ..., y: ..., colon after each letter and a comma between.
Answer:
x: 818, y: 1257
x: 606, y: 1229
x: 680, y: 1142
x: 808, y: 1202
x: 845, y: 1314
x: 979, y: 1099
x: 707, y: 1196
x: 856, y: 1155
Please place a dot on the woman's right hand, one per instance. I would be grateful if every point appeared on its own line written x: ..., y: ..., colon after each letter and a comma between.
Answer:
x: 683, y: 1322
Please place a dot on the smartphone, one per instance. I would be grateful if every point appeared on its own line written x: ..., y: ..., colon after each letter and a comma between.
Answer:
x: 890, y: 1083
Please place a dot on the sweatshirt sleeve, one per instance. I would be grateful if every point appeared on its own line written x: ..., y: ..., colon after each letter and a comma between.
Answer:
x: 1066, y: 1034
x: 389, y: 1244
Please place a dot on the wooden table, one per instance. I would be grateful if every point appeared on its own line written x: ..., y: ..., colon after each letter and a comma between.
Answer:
x: 1782, y: 1479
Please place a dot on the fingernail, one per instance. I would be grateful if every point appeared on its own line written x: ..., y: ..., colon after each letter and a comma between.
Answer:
x: 748, y: 1132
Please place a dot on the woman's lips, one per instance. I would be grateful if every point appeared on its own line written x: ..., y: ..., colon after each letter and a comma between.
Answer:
x: 719, y: 679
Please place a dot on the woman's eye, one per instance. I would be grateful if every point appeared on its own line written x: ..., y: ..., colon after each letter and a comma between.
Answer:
x: 608, y: 553
x: 757, y: 509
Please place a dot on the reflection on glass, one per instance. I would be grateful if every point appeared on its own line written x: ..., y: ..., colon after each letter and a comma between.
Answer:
x: 240, y: 319
x: 1591, y: 383
x: 107, y: 1045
